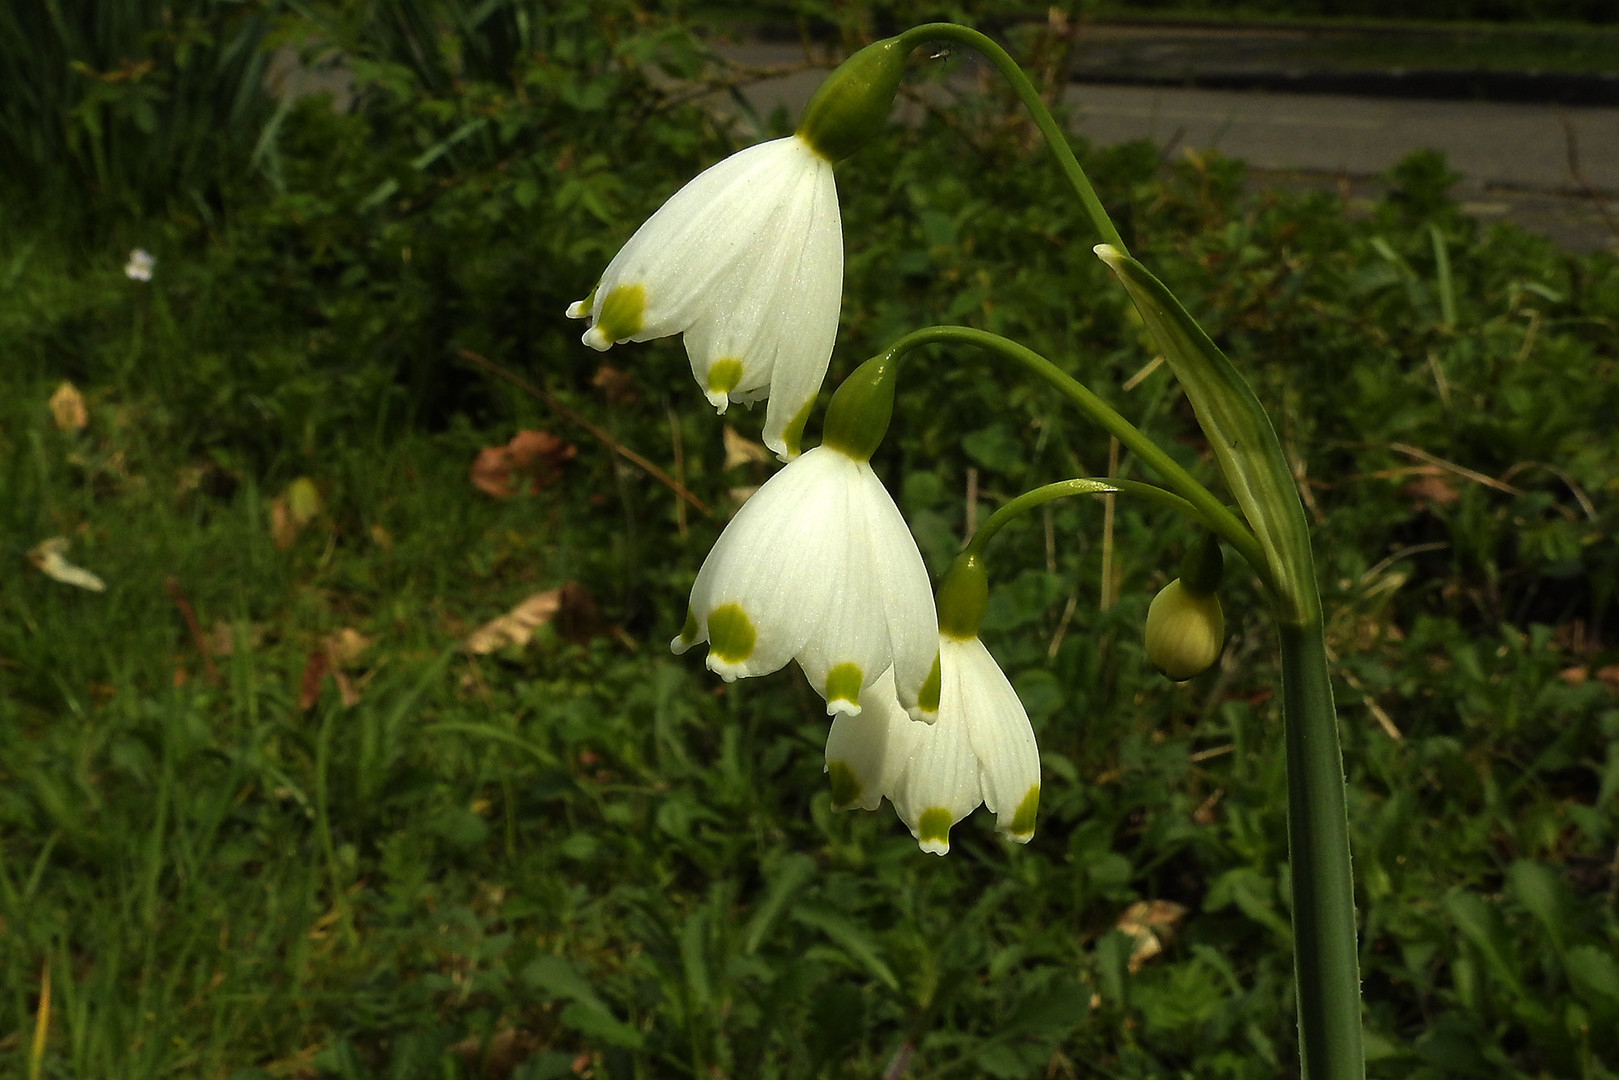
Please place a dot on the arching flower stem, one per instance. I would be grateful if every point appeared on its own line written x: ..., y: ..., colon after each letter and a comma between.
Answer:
x: 1201, y: 502
x: 1062, y: 489
x: 1030, y: 97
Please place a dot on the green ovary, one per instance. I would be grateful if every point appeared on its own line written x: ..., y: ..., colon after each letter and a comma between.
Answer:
x: 1023, y: 819
x: 731, y: 636
x: 843, y: 683
x: 724, y: 375
x: 846, y: 786
x: 934, y: 826
x: 623, y: 310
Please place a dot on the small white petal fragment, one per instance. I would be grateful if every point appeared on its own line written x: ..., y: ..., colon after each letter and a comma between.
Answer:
x: 50, y: 556
x: 140, y: 265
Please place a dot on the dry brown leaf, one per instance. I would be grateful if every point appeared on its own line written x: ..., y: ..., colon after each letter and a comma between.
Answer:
x: 535, y: 456
x: 1433, y: 489
x: 346, y: 645
x: 569, y: 606
x: 618, y: 386
x: 50, y: 558
x: 315, y: 667
x: 517, y: 626
x: 1151, y: 923
x: 67, y: 408
x: 740, y: 450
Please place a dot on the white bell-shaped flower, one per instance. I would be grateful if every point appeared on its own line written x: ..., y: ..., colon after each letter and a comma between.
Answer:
x: 746, y: 261
x: 980, y: 750
x: 819, y: 567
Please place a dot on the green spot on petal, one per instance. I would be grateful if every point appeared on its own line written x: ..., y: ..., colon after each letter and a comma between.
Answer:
x: 622, y: 312
x: 723, y: 376
x: 730, y: 634
x: 927, y: 699
x: 793, y: 436
x: 1023, y: 821
x: 689, y: 632
x: 846, y: 785
x: 843, y: 683
x: 934, y: 826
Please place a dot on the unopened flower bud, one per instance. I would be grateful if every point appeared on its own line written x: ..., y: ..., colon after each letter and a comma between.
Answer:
x: 1185, y: 631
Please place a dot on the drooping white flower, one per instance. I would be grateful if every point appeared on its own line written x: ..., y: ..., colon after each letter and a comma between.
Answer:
x: 746, y: 261
x: 140, y: 265
x: 819, y: 567
x: 980, y: 750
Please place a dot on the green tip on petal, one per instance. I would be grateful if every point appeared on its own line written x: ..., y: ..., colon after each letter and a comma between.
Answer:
x: 731, y: 636
x: 622, y: 312
x: 793, y: 436
x: 843, y: 683
x: 927, y: 698
x: 933, y: 829
x: 1022, y: 826
x: 723, y: 376
x: 690, y: 629
x: 846, y: 786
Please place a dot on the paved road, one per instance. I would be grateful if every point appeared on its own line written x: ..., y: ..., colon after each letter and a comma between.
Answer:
x: 1550, y: 168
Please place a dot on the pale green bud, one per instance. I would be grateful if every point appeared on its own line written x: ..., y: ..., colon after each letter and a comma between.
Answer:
x: 1185, y: 631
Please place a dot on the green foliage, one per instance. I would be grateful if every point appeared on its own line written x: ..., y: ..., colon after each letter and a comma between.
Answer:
x: 584, y: 856
x: 109, y: 111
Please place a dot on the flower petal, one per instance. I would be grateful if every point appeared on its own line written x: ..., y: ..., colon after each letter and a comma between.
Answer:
x: 998, y: 729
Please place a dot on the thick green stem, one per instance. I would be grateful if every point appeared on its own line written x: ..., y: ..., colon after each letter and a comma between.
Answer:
x: 1030, y: 97
x: 1325, y: 962
x: 1210, y: 510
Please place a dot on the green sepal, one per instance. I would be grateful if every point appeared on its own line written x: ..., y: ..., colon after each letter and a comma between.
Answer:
x: 858, y: 415
x: 1239, y: 433
x: 853, y: 103
x: 962, y: 597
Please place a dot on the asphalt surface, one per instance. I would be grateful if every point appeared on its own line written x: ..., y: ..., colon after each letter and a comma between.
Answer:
x: 1550, y: 165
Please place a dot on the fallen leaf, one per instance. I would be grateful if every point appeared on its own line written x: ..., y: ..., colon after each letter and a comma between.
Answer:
x: 517, y: 626
x: 316, y: 666
x: 569, y: 606
x: 537, y: 456
x: 1151, y: 923
x: 618, y: 386
x: 67, y: 408
x: 346, y: 645
x: 292, y: 510
x: 740, y: 450
x: 50, y: 557
x: 1433, y: 489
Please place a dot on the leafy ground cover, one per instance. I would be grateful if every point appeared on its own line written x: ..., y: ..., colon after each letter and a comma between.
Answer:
x: 270, y: 806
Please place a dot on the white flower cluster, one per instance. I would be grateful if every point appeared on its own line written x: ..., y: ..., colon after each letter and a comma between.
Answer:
x: 818, y: 566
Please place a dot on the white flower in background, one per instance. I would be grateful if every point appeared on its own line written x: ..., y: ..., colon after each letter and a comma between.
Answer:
x: 746, y: 261
x: 981, y: 749
x: 818, y: 567
x: 140, y: 264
